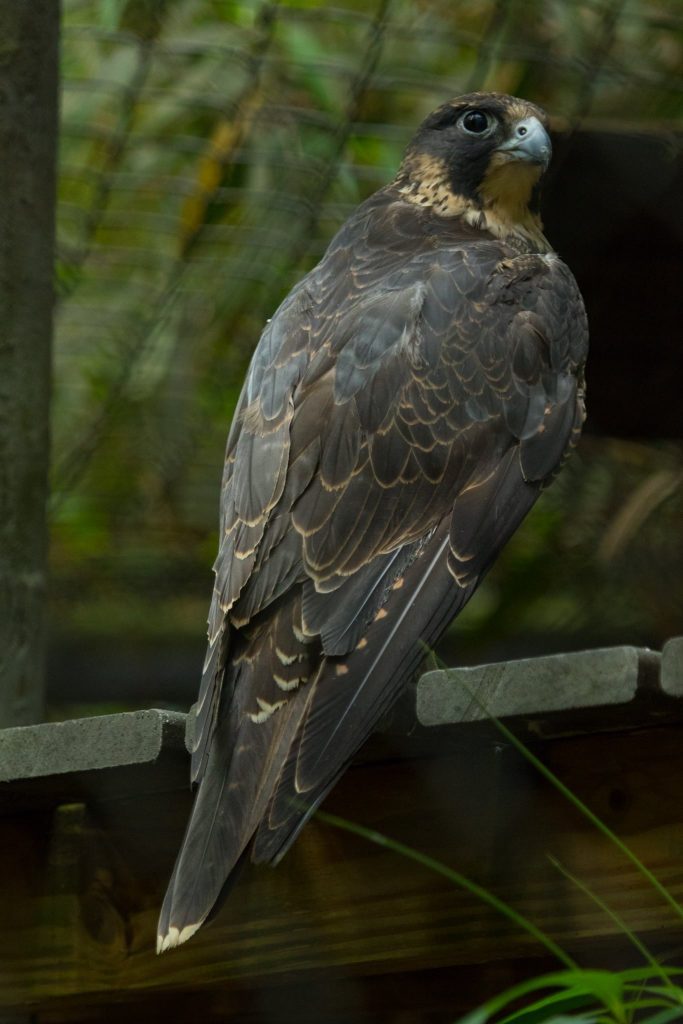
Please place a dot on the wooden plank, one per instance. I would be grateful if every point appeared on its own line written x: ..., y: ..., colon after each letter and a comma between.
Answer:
x: 424, y: 997
x: 338, y: 903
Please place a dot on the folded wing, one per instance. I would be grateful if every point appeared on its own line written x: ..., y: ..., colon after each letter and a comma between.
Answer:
x: 402, y: 412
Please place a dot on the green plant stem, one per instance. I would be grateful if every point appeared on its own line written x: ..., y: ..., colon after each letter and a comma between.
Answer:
x: 593, y: 818
x: 579, y: 804
x: 619, y: 922
x: 440, y: 868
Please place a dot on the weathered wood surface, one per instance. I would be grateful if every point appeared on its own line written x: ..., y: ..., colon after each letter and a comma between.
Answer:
x: 81, y: 882
x: 29, y: 36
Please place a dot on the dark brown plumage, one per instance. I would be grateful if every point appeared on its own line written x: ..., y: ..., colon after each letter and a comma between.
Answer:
x: 403, y: 410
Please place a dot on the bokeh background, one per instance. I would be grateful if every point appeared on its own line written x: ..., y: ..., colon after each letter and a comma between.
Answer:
x: 209, y: 150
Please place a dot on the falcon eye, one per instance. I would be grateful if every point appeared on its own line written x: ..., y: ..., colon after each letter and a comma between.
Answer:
x: 475, y: 122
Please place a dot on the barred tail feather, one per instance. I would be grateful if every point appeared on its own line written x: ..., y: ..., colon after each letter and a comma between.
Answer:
x: 250, y: 743
x: 343, y: 707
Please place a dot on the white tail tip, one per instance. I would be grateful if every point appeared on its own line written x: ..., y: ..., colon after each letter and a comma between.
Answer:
x: 174, y: 937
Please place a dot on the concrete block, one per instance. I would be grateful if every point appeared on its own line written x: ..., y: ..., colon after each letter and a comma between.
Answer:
x: 84, y: 744
x: 532, y: 686
x: 672, y: 667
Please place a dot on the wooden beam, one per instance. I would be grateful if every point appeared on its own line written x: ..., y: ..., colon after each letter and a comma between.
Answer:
x: 82, y: 888
x: 91, y: 820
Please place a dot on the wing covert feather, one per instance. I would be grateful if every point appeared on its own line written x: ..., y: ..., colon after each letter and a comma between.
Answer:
x: 402, y: 411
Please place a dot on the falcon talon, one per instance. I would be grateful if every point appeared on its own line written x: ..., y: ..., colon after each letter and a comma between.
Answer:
x: 405, y: 407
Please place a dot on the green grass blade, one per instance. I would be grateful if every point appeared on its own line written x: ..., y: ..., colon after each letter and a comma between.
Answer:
x: 634, y: 974
x: 453, y: 876
x: 618, y: 921
x: 577, y: 803
x: 663, y: 993
x: 603, y: 989
x: 633, y: 1005
x: 561, y: 1003
x: 594, y: 820
x: 666, y: 1016
x: 560, y: 979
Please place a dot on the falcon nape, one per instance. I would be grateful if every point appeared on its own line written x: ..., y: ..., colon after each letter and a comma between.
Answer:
x: 402, y: 412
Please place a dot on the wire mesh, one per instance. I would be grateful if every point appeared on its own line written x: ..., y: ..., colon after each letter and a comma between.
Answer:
x: 208, y: 153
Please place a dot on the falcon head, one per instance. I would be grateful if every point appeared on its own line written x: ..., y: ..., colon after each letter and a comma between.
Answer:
x: 481, y: 157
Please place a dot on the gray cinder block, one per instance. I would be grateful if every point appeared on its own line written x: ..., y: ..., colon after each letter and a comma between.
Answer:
x: 84, y: 744
x: 559, y: 682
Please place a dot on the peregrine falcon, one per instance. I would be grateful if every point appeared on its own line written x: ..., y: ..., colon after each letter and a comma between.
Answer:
x: 402, y: 412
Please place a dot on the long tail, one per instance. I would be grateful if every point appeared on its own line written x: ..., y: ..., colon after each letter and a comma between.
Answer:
x: 257, y: 720
x: 281, y: 743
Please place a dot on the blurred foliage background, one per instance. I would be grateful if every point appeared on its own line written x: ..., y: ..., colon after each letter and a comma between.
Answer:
x: 209, y: 150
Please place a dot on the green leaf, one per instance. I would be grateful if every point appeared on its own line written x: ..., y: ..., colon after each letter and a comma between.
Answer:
x: 110, y: 13
x: 616, y: 918
x: 665, y: 1016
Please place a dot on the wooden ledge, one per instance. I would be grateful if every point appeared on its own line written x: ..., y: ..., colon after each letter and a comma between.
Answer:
x: 92, y: 812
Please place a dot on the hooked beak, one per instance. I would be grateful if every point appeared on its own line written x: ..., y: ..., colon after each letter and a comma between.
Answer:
x: 530, y: 142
